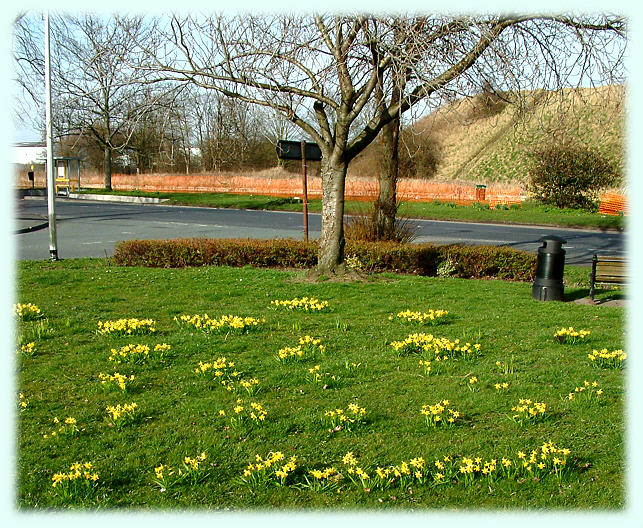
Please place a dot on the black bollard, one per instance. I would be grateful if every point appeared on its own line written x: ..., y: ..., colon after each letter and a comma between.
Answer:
x: 548, y: 285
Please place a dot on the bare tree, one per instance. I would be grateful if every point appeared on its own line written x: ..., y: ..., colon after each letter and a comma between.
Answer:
x: 323, y: 73
x: 108, y: 96
x: 96, y: 91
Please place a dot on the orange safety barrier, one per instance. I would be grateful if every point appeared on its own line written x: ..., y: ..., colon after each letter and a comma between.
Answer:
x: 365, y: 189
x: 612, y: 204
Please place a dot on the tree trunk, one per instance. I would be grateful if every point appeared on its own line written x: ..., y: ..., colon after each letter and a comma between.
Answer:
x: 386, y: 203
x: 108, y: 168
x: 331, y: 244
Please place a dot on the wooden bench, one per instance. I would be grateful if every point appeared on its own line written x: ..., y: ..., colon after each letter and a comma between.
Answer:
x: 607, y: 270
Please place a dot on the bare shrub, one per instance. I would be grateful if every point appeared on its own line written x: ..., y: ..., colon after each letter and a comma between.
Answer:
x: 364, y: 227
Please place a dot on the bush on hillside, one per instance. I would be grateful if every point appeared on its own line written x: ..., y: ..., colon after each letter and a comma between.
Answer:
x: 566, y: 175
x: 488, y: 103
x: 420, y: 154
x: 419, y: 259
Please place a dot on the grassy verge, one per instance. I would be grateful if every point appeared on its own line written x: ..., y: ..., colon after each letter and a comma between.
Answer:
x: 178, y: 410
x: 529, y: 213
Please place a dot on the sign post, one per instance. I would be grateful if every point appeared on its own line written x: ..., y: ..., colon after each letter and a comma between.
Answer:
x: 303, y: 151
x: 305, y: 185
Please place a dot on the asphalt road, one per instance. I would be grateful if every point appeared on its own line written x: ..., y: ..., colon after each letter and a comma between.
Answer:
x: 91, y: 229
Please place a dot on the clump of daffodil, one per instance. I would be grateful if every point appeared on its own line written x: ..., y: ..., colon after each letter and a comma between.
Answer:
x: 501, y: 386
x: 428, y: 366
x: 192, y: 470
x: 225, y: 373
x: 26, y: 311
x: 28, y: 349
x: 138, y: 353
x: 347, y: 419
x: 321, y: 479
x: 404, y: 474
x: 115, y: 381
x: 471, y: 468
x: 314, y: 374
x: 539, y: 463
x: 355, y: 263
x: 122, y: 415
x: 222, y: 325
x: 351, y: 366
x: 505, y: 369
x: 307, y: 348
x: 306, y: 304
x: 23, y: 402
x: 77, y: 483
x: 570, y: 335
x: 444, y: 471
x: 587, y: 391
x: 432, y: 317
x: 472, y: 384
x: 605, y: 359
x: 241, y: 414
x: 439, y: 414
x: 528, y: 411
x: 355, y: 473
x: 250, y: 385
x: 435, y: 348
x: 221, y: 370
x: 536, y: 464
x: 321, y: 379
x: 66, y: 428
x: 270, y: 470
x: 127, y: 327
x: 289, y: 353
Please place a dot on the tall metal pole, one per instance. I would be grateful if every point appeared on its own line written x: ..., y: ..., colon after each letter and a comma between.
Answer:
x: 305, y: 184
x: 51, y: 183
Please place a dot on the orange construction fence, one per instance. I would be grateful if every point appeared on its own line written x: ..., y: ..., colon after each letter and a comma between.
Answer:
x: 365, y: 189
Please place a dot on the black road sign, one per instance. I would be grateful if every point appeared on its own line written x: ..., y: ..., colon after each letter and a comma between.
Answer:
x: 291, y: 150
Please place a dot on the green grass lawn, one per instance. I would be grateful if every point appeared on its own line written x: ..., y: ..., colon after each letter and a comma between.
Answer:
x: 529, y: 213
x: 178, y: 410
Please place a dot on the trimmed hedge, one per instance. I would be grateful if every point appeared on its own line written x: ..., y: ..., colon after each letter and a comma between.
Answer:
x: 419, y: 259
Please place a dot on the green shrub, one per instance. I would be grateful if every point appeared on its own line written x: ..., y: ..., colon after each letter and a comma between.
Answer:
x: 566, y: 175
x: 191, y: 252
x: 418, y: 259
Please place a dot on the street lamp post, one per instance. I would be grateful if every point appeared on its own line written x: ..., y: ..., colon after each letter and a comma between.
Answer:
x: 51, y: 184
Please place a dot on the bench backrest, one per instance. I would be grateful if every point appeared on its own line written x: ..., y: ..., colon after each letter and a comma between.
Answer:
x: 611, y: 269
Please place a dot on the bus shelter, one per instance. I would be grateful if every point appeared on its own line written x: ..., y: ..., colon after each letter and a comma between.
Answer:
x: 67, y: 174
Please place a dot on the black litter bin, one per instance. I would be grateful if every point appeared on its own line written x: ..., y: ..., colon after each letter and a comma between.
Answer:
x: 548, y: 285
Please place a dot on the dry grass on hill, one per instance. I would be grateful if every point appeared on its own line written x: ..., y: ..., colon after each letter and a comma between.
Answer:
x: 480, y: 144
